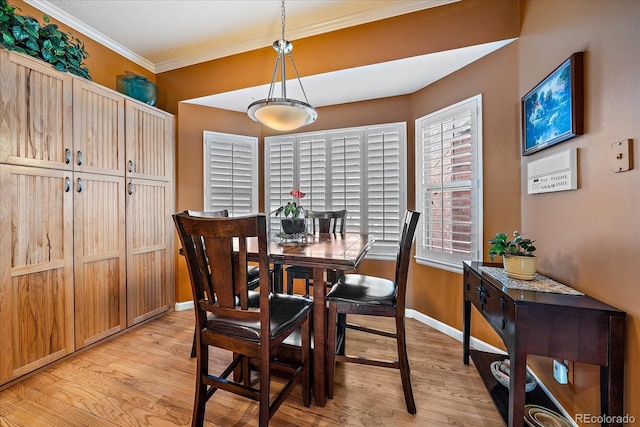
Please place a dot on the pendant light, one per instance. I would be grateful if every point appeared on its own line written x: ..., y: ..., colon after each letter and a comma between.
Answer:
x: 283, y: 114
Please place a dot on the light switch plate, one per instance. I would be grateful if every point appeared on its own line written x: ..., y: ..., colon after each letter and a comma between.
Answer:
x: 620, y: 157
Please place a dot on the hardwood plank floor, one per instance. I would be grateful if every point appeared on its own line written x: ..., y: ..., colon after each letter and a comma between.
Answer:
x: 146, y: 378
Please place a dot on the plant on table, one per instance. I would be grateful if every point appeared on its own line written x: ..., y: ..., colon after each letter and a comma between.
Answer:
x: 292, y: 209
x: 519, y: 246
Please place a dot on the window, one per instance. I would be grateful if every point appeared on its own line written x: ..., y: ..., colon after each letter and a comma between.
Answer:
x: 230, y: 173
x: 448, y: 185
x: 361, y: 170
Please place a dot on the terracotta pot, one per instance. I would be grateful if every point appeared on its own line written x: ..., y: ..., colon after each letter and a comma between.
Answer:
x: 294, y: 225
x: 520, y: 267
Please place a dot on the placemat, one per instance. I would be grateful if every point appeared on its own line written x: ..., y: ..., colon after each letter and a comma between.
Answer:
x: 539, y: 283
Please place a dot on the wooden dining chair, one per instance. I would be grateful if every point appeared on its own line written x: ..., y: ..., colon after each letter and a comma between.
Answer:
x: 224, y: 318
x: 321, y: 222
x: 373, y: 296
x: 253, y: 272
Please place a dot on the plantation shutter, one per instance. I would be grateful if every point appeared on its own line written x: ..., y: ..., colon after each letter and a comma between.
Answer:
x: 385, y: 187
x: 313, y: 171
x: 280, y: 175
x: 447, y: 169
x: 230, y: 173
x: 347, y: 176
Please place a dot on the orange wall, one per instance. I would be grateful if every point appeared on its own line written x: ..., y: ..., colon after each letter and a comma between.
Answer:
x: 590, y: 238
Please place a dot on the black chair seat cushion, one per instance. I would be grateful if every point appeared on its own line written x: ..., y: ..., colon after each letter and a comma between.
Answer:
x: 366, y: 290
x: 253, y: 277
x: 285, y: 310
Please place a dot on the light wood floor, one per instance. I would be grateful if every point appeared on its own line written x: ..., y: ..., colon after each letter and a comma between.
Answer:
x: 146, y: 378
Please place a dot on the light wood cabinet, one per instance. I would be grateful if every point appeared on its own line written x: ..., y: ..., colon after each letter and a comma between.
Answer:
x: 150, y: 269
x: 99, y: 256
x: 87, y: 191
x: 35, y: 113
x: 36, y: 268
x: 149, y: 140
x: 98, y: 129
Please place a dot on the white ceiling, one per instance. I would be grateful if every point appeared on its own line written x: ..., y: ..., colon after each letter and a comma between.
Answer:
x: 162, y: 35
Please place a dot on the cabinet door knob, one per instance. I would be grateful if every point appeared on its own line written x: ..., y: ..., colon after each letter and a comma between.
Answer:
x: 67, y: 184
x: 130, y: 190
x: 67, y: 156
x: 79, y: 185
x: 130, y: 165
x: 80, y: 158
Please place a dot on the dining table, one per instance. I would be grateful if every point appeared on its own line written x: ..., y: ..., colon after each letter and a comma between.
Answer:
x: 322, y: 252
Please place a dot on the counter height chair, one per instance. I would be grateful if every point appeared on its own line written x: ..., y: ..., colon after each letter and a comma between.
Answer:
x: 373, y: 296
x: 321, y: 222
x: 228, y: 322
x: 253, y: 272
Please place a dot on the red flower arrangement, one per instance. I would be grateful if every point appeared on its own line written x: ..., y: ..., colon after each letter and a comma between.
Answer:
x: 292, y: 209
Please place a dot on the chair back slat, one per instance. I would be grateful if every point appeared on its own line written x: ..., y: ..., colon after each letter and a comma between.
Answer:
x: 212, y: 257
x: 328, y: 221
x: 404, y: 255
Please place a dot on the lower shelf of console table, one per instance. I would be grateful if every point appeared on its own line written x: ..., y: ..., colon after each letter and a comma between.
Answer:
x: 499, y: 393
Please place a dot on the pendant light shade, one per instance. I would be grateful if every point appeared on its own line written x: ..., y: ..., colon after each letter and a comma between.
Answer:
x: 282, y: 114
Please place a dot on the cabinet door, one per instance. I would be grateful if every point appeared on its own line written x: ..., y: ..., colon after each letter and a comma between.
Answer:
x: 35, y: 113
x: 150, y: 278
x: 98, y: 132
x: 99, y: 256
x: 149, y: 142
x: 36, y: 268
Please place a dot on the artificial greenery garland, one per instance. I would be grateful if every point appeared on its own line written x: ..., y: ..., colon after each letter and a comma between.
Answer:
x: 46, y: 42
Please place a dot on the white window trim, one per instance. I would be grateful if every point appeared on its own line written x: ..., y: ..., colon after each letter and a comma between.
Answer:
x: 248, y: 141
x: 453, y: 263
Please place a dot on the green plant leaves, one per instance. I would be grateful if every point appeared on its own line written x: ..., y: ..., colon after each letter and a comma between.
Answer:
x: 24, y: 34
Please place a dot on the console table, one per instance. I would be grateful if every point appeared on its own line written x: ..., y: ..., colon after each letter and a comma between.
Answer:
x: 566, y: 327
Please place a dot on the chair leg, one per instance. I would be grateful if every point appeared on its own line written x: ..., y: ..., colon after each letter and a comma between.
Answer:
x: 342, y: 330
x: 331, y: 348
x: 200, y: 398
x: 306, y: 287
x: 193, y: 346
x: 404, y: 365
x: 305, y: 334
x: 263, y: 410
x: 289, y: 284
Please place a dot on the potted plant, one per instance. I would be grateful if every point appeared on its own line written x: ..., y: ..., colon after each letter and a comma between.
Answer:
x: 517, y: 255
x: 292, y: 223
x: 24, y: 34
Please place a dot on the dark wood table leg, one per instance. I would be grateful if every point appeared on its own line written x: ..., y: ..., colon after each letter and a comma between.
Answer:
x: 319, y: 338
x: 612, y: 375
x: 518, y: 370
x: 466, y: 330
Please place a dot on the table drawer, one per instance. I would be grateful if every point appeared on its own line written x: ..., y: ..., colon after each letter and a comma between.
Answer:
x: 492, y: 303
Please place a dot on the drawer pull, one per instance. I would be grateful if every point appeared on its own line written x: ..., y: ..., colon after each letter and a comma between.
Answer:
x: 482, y: 294
x: 504, y: 304
x: 504, y: 323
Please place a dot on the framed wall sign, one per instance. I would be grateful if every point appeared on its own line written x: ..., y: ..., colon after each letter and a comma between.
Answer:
x: 552, y: 111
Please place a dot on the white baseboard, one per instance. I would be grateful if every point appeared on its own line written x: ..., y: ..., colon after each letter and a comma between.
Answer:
x: 187, y: 305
